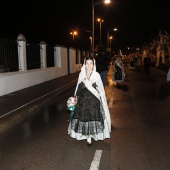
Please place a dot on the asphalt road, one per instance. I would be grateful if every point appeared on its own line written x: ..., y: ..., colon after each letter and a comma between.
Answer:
x: 140, y: 137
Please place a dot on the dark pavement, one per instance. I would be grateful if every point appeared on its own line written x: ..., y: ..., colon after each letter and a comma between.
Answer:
x: 140, y: 137
x: 20, y: 105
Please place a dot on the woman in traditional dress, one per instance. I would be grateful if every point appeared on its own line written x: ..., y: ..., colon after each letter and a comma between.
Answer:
x: 118, y: 71
x: 91, y: 118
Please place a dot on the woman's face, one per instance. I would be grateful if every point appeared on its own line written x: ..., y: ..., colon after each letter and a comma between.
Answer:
x: 89, y: 65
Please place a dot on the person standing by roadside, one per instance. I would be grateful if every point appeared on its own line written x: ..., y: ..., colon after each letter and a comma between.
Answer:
x: 147, y: 63
x: 118, y: 71
x: 102, y: 64
x: 91, y: 117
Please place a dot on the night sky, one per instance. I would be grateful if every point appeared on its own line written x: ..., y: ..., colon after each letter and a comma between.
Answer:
x: 137, y: 21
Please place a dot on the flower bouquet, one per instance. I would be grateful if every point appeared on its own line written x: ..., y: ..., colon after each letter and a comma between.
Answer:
x: 71, y: 104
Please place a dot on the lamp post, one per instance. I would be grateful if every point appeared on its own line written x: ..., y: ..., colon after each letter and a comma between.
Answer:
x: 100, y: 21
x: 92, y: 28
x: 74, y: 33
x: 106, y: 2
x: 91, y: 42
x: 110, y: 38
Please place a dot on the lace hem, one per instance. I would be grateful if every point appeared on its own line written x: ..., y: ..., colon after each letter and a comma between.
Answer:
x: 99, y: 136
x: 87, y: 128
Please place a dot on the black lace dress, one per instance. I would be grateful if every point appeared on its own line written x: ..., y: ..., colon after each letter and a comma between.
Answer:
x: 118, y: 73
x: 88, y: 117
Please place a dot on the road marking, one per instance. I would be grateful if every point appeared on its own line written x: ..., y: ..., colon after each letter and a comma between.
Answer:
x: 35, y: 100
x: 96, y: 161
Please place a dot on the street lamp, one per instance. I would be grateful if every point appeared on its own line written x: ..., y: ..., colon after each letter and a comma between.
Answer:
x: 100, y: 21
x: 91, y: 42
x: 110, y: 38
x: 106, y: 2
x: 74, y: 33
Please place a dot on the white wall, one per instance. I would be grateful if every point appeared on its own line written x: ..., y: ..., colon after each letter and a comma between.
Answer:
x: 72, y: 60
x: 14, y: 81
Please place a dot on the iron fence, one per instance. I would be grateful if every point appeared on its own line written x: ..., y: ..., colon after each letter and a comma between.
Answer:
x: 8, y: 55
x: 33, y: 56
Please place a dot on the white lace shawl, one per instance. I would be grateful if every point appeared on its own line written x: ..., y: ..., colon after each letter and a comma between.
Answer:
x: 99, y: 93
x: 120, y: 64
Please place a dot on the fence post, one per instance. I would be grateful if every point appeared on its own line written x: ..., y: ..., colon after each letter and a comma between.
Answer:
x: 43, y: 54
x: 21, y: 41
x: 56, y: 56
x: 78, y: 57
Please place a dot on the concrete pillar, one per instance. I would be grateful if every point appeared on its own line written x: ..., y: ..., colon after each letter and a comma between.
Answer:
x: 43, y: 54
x: 57, y: 56
x: 21, y: 41
x: 79, y: 62
x: 72, y: 60
x: 78, y: 57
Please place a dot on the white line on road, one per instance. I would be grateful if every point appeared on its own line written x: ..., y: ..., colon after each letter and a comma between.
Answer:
x: 96, y: 160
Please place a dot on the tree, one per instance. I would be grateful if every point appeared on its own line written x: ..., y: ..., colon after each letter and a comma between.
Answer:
x: 162, y: 45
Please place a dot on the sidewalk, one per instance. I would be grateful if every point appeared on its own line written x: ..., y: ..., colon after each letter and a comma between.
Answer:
x: 19, y: 105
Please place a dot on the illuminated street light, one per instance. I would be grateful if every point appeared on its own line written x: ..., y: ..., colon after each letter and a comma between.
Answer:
x: 110, y: 38
x: 91, y: 42
x: 100, y: 21
x: 74, y: 33
x: 106, y: 2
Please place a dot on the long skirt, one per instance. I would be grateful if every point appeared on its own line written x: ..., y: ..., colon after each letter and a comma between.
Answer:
x: 88, y: 119
x: 118, y: 75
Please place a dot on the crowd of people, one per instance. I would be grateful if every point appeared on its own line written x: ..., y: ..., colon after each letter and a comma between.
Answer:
x: 91, y: 118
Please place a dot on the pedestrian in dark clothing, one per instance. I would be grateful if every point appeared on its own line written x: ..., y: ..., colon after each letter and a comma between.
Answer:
x: 102, y: 64
x: 147, y: 63
x: 118, y: 72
